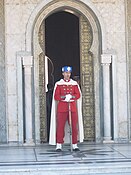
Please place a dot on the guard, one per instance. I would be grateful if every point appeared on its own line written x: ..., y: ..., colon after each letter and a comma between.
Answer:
x: 66, y: 98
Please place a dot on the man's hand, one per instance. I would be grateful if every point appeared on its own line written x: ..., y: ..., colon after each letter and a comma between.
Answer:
x: 68, y: 97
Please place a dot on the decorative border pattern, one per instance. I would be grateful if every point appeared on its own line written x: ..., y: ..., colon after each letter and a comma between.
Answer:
x: 42, y: 94
x: 87, y: 79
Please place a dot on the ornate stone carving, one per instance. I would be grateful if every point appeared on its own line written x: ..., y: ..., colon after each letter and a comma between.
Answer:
x: 87, y: 80
x: 42, y: 99
x: 42, y: 94
x: 41, y: 36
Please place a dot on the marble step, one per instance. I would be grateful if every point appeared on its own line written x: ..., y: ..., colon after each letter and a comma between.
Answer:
x: 92, y: 159
x: 83, y: 168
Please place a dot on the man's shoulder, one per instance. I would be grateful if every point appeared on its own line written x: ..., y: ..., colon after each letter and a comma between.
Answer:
x: 73, y: 82
x: 61, y: 81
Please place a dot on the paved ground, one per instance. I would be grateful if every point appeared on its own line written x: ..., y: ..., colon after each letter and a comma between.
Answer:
x: 92, y: 159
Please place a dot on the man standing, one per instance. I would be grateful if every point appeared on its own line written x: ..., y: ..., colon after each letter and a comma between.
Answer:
x: 66, y: 92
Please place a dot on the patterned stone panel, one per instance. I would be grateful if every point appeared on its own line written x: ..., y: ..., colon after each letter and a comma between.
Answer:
x: 2, y: 76
x: 87, y: 80
x: 129, y: 48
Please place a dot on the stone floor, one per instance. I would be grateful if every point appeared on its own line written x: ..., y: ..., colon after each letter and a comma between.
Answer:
x: 43, y: 159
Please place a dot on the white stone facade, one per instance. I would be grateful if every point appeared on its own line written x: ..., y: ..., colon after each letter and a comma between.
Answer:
x: 113, y: 25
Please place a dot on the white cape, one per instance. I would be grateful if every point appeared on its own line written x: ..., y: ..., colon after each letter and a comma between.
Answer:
x: 52, y: 138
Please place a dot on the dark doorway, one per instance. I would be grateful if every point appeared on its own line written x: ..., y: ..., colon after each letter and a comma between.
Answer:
x: 62, y: 42
x: 61, y: 46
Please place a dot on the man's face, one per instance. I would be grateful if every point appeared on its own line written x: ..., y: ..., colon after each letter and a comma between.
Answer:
x: 66, y: 75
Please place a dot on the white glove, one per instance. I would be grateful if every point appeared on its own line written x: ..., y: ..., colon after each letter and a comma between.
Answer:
x: 68, y: 97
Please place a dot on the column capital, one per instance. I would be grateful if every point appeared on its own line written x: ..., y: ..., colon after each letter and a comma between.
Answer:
x: 27, y: 60
x: 106, y: 59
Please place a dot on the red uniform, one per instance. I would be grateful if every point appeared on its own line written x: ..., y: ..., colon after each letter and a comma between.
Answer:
x: 63, y: 110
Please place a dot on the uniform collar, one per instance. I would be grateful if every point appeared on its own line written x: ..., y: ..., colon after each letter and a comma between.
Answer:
x: 66, y: 80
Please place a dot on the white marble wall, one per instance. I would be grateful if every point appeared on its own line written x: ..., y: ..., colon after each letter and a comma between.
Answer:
x: 17, y: 15
x: 113, y: 14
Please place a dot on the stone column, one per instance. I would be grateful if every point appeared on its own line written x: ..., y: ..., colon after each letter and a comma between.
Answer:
x: 27, y: 64
x: 106, y: 61
x: 114, y: 97
x: 20, y: 99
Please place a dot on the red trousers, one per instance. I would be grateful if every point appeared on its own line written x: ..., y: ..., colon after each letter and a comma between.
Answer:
x: 62, y: 117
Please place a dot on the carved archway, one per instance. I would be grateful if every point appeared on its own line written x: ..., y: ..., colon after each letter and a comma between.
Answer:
x: 96, y: 48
